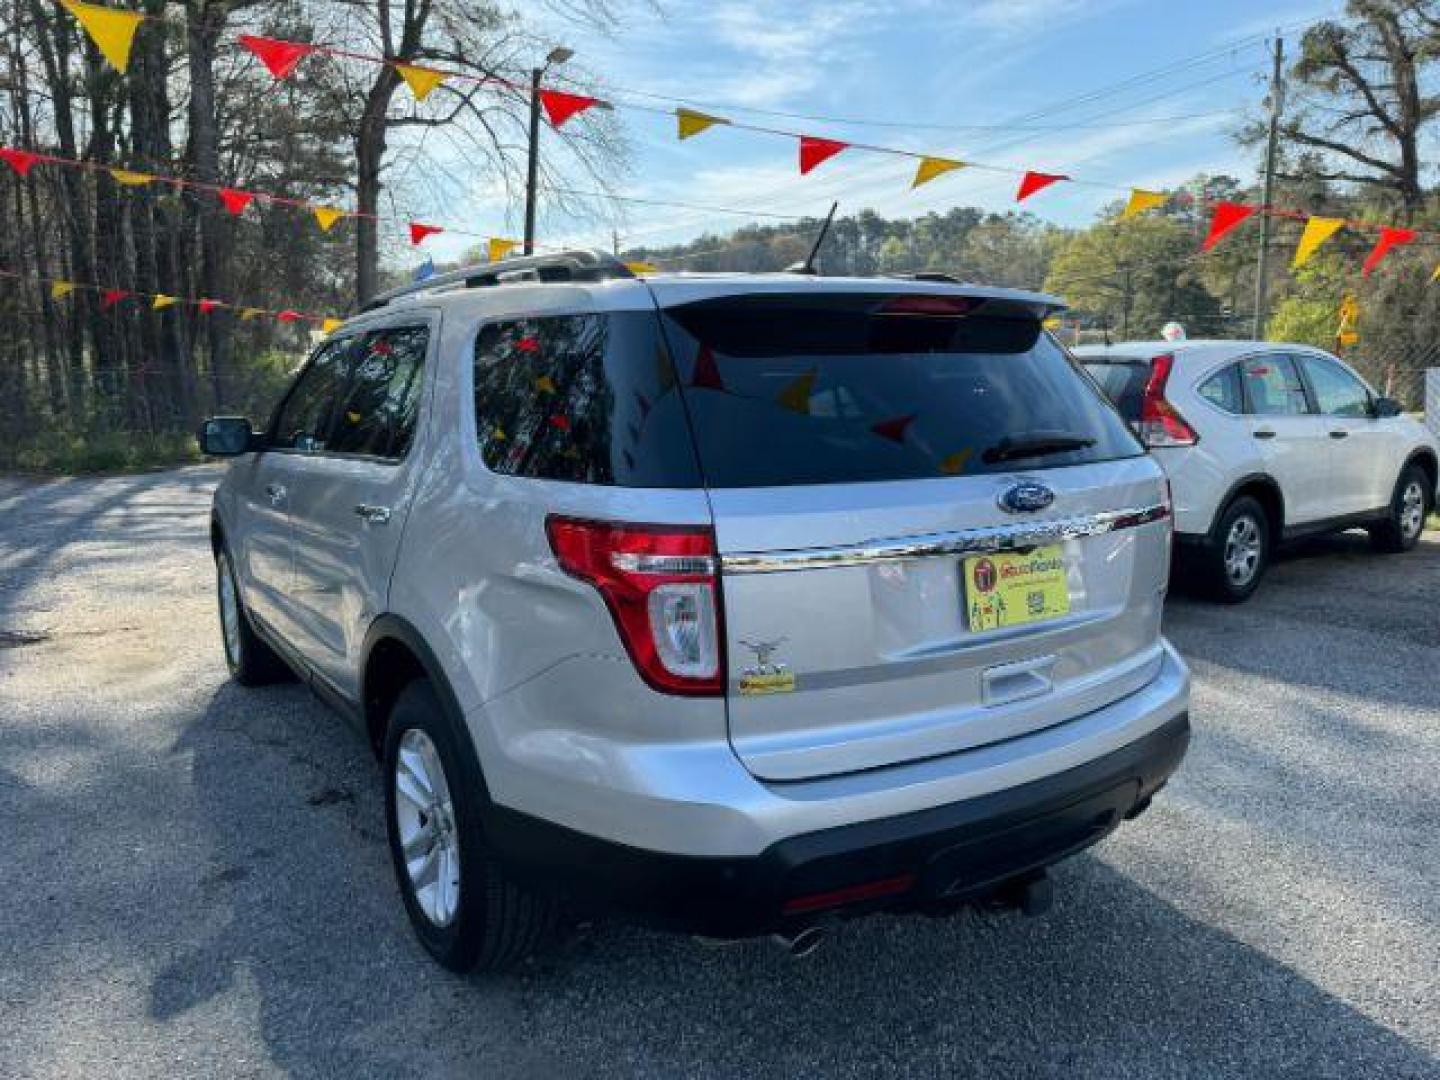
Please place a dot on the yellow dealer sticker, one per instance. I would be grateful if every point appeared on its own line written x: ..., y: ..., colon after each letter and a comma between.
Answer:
x: 769, y: 682
x: 1010, y: 589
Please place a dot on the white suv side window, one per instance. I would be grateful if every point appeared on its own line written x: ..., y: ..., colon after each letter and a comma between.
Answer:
x: 1337, y: 392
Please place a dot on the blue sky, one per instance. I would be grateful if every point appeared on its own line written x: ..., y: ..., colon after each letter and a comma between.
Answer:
x: 1007, y: 82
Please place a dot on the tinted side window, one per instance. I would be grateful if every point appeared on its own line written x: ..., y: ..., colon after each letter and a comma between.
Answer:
x: 1273, y: 386
x: 303, y: 420
x: 590, y: 399
x: 1337, y: 392
x: 377, y: 414
x: 1223, y: 390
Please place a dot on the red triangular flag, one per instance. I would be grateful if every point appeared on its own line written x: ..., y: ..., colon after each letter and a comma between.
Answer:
x: 22, y: 161
x: 235, y: 201
x: 111, y: 297
x: 707, y: 374
x: 1389, y: 238
x: 288, y: 315
x: 813, y: 151
x: 1224, y: 218
x: 893, y: 429
x: 280, y: 57
x: 207, y: 306
x: 419, y: 232
x: 560, y: 106
x: 1032, y: 182
x: 561, y: 423
x: 528, y: 343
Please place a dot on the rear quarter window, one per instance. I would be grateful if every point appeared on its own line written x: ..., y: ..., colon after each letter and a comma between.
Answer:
x: 1123, y: 381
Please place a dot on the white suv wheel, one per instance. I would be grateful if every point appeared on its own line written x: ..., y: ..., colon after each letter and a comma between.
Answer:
x: 425, y: 816
x: 1243, y: 547
x: 1412, y: 510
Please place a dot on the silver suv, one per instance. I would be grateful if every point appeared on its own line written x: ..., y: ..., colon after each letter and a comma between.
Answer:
x: 738, y: 603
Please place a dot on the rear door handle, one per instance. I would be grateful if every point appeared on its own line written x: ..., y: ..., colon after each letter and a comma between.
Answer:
x: 1339, y: 434
x: 1264, y: 433
x: 275, y: 493
x: 373, y: 515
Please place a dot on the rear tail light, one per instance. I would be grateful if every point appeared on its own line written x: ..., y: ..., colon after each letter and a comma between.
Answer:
x: 1160, y: 422
x: 661, y: 584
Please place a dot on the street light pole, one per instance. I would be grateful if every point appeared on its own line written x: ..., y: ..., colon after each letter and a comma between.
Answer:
x: 558, y: 55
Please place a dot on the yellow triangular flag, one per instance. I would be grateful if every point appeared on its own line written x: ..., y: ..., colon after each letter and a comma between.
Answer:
x: 130, y: 179
x: 61, y: 289
x: 326, y: 216
x: 955, y: 463
x: 500, y: 247
x: 331, y: 325
x: 421, y: 80
x: 1436, y: 275
x: 689, y: 122
x: 545, y: 384
x: 642, y: 268
x: 112, y: 31
x: 1142, y: 200
x: 931, y: 167
x: 1317, y: 231
x: 249, y: 313
x: 796, y: 395
x: 161, y: 301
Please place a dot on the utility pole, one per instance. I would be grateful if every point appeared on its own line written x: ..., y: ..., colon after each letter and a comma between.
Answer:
x: 1277, y: 102
x: 558, y: 55
x: 1125, y: 302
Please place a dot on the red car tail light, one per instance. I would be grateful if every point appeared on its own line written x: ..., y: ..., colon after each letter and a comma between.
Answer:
x: 662, y: 586
x: 1160, y: 422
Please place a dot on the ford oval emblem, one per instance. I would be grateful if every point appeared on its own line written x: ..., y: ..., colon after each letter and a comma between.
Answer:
x: 1026, y: 497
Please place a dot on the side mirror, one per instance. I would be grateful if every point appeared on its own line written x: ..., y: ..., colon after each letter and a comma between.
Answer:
x: 227, y: 436
x: 1385, y: 407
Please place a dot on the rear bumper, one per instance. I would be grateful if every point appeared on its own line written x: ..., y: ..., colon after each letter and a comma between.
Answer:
x: 956, y: 850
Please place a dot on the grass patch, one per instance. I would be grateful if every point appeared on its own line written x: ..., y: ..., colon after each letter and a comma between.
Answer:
x: 115, y: 451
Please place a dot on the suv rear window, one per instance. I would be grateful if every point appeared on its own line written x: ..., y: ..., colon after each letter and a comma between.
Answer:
x: 1123, y: 379
x: 844, y: 387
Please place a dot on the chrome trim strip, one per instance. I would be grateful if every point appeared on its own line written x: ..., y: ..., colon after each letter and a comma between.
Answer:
x: 929, y: 545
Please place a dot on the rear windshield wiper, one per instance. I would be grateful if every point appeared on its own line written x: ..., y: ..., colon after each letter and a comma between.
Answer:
x: 1035, y: 444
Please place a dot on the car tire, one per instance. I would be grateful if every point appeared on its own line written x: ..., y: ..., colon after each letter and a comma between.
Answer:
x: 1410, y: 503
x: 251, y: 661
x: 1238, y: 554
x: 465, y: 909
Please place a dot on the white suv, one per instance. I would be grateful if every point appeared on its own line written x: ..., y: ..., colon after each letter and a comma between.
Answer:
x: 737, y: 602
x: 1265, y: 442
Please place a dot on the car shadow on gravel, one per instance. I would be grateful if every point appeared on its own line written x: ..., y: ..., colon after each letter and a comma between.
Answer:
x: 1115, y: 981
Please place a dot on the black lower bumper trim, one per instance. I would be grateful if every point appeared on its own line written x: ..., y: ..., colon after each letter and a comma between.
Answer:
x: 951, y: 852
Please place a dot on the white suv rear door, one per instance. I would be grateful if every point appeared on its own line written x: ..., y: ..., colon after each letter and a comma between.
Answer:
x: 1293, y: 441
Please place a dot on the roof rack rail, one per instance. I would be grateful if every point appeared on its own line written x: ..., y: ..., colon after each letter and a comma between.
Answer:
x: 580, y: 264
x: 931, y: 275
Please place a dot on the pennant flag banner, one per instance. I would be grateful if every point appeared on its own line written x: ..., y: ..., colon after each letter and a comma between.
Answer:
x: 545, y: 385
x: 1141, y: 200
x: 707, y: 373
x: 1389, y: 238
x: 560, y: 107
x: 22, y: 161
x: 931, y: 167
x: 113, y: 32
x: 111, y: 297
x: 162, y: 301
x: 235, y: 201
x: 1317, y: 231
x: 288, y: 316
x: 1032, y: 182
x: 207, y: 306
x: 419, y: 232
x: 1436, y: 275
x: 246, y: 314
x: 420, y: 80
x: 327, y: 216
x: 954, y: 464
x: 642, y: 268
x: 130, y: 179
x: 61, y: 289
x: 894, y: 429
x: 279, y: 57
x: 500, y: 247
x: 329, y: 326
x: 796, y: 396
x: 688, y: 122
x: 813, y: 151
x: 1225, y: 217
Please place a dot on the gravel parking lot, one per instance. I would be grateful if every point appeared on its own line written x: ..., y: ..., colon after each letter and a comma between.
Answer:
x: 193, y: 877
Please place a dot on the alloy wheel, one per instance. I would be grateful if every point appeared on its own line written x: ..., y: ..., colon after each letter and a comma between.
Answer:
x: 425, y: 815
x: 1242, y: 551
x: 229, y: 611
x: 1412, y: 510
